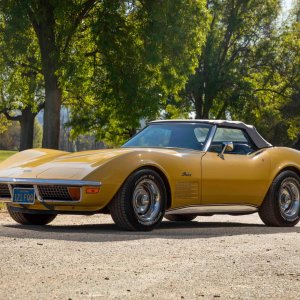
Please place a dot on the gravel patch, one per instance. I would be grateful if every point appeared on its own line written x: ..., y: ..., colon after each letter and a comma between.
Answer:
x: 79, y: 257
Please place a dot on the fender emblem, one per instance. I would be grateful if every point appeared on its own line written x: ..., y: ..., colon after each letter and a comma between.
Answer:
x: 186, y: 174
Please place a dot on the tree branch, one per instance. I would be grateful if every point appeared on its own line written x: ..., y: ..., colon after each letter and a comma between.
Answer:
x: 33, y: 19
x: 9, y: 117
x: 86, y: 7
x: 41, y: 106
x: 192, y: 98
x: 270, y: 90
x: 31, y: 67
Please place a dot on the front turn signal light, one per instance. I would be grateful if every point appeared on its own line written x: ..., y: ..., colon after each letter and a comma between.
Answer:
x: 92, y: 190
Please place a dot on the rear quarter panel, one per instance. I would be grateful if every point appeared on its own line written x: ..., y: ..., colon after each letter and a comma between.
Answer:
x: 283, y: 158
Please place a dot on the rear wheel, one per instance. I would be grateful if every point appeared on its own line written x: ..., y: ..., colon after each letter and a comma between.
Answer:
x: 30, y: 219
x: 140, y: 203
x: 180, y: 218
x: 281, y: 206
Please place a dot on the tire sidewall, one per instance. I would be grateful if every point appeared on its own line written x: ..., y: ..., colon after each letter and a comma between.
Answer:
x: 30, y: 219
x: 275, y: 195
x: 129, y: 188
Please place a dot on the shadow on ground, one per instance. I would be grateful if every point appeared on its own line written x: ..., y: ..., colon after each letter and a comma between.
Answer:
x: 167, y: 230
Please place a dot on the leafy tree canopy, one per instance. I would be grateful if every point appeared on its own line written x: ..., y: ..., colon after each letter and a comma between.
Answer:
x: 273, y: 99
x: 142, y: 52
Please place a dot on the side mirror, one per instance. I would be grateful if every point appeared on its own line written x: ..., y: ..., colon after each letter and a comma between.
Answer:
x: 227, y: 146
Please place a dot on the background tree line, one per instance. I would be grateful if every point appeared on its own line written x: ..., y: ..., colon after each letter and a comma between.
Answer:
x: 111, y: 64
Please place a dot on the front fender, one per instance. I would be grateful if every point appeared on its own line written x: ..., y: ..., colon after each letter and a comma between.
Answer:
x: 172, y: 164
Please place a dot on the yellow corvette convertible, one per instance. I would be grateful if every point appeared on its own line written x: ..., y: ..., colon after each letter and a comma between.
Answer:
x: 177, y: 169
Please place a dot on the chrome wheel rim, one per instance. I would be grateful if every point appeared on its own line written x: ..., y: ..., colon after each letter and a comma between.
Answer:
x: 146, y: 201
x: 289, y: 199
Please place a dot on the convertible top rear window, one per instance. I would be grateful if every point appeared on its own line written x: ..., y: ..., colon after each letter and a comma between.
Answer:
x: 188, y: 136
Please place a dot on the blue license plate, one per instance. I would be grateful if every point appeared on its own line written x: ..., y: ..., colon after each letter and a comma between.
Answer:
x: 23, y: 195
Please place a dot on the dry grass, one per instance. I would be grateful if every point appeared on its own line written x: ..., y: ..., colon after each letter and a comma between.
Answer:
x: 5, y: 154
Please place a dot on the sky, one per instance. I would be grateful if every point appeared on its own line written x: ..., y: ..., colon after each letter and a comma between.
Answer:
x: 286, y: 5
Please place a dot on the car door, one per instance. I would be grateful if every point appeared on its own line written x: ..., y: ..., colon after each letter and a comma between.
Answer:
x: 239, y: 176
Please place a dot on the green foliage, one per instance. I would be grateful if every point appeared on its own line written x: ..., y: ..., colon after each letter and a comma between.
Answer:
x: 53, y: 25
x: 6, y: 154
x: 20, y: 77
x: 4, y: 124
x: 236, y: 28
x: 116, y: 63
x: 273, y: 101
x: 177, y: 107
x: 249, y: 69
x: 10, y: 139
x: 21, y: 80
x: 143, y: 51
x: 113, y: 62
x: 38, y: 134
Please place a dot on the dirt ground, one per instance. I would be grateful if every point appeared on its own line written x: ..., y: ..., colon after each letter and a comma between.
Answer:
x: 90, y: 258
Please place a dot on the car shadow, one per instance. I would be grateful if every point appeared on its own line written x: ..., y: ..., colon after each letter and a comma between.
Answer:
x: 167, y: 230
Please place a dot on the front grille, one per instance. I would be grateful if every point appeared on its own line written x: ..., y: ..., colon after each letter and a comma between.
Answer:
x: 26, y: 186
x: 4, y: 191
x: 54, y: 192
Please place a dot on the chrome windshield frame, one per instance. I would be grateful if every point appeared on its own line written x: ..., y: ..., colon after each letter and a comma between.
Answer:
x: 210, y: 138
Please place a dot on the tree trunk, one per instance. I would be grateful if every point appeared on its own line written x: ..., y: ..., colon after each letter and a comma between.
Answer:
x: 197, y: 95
x: 44, y: 25
x: 27, y: 128
x: 52, y: 114
x: 198, y: 106
x: 203, y: 108
x: 208, y: 102
x: 221, y: 114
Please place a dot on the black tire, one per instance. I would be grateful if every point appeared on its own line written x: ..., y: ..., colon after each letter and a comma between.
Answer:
x: 270, y: 211
x: 180, y: 218
x: 31, y: 219
x: 124, y: 206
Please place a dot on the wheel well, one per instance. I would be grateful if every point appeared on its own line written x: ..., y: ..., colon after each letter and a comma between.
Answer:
x: 165, y: 180
x: 290, y: 168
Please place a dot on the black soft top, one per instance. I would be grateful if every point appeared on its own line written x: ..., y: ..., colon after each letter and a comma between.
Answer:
x: 257, y: 139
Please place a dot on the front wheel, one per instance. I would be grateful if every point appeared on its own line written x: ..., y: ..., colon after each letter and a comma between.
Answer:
x: 140, y: 203
x: 30, y: 219
x: 281, y: 206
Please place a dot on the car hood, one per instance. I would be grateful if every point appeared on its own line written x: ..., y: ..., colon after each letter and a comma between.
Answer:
x: 52, y: 164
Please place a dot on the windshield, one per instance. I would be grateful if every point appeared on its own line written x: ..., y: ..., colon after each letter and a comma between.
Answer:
x: 168, y: 135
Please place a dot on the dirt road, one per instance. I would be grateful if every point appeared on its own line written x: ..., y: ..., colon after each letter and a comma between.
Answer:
x: 89, y: 258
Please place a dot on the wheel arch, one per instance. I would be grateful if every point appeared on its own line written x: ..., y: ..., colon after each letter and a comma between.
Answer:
x: 287, y: 168
x: 161, y: 174
x: 283, y: 159
x: 279, y: 170
x: 163, y: 177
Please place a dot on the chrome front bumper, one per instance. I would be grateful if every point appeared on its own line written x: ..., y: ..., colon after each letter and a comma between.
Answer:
x: 37, y: 181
